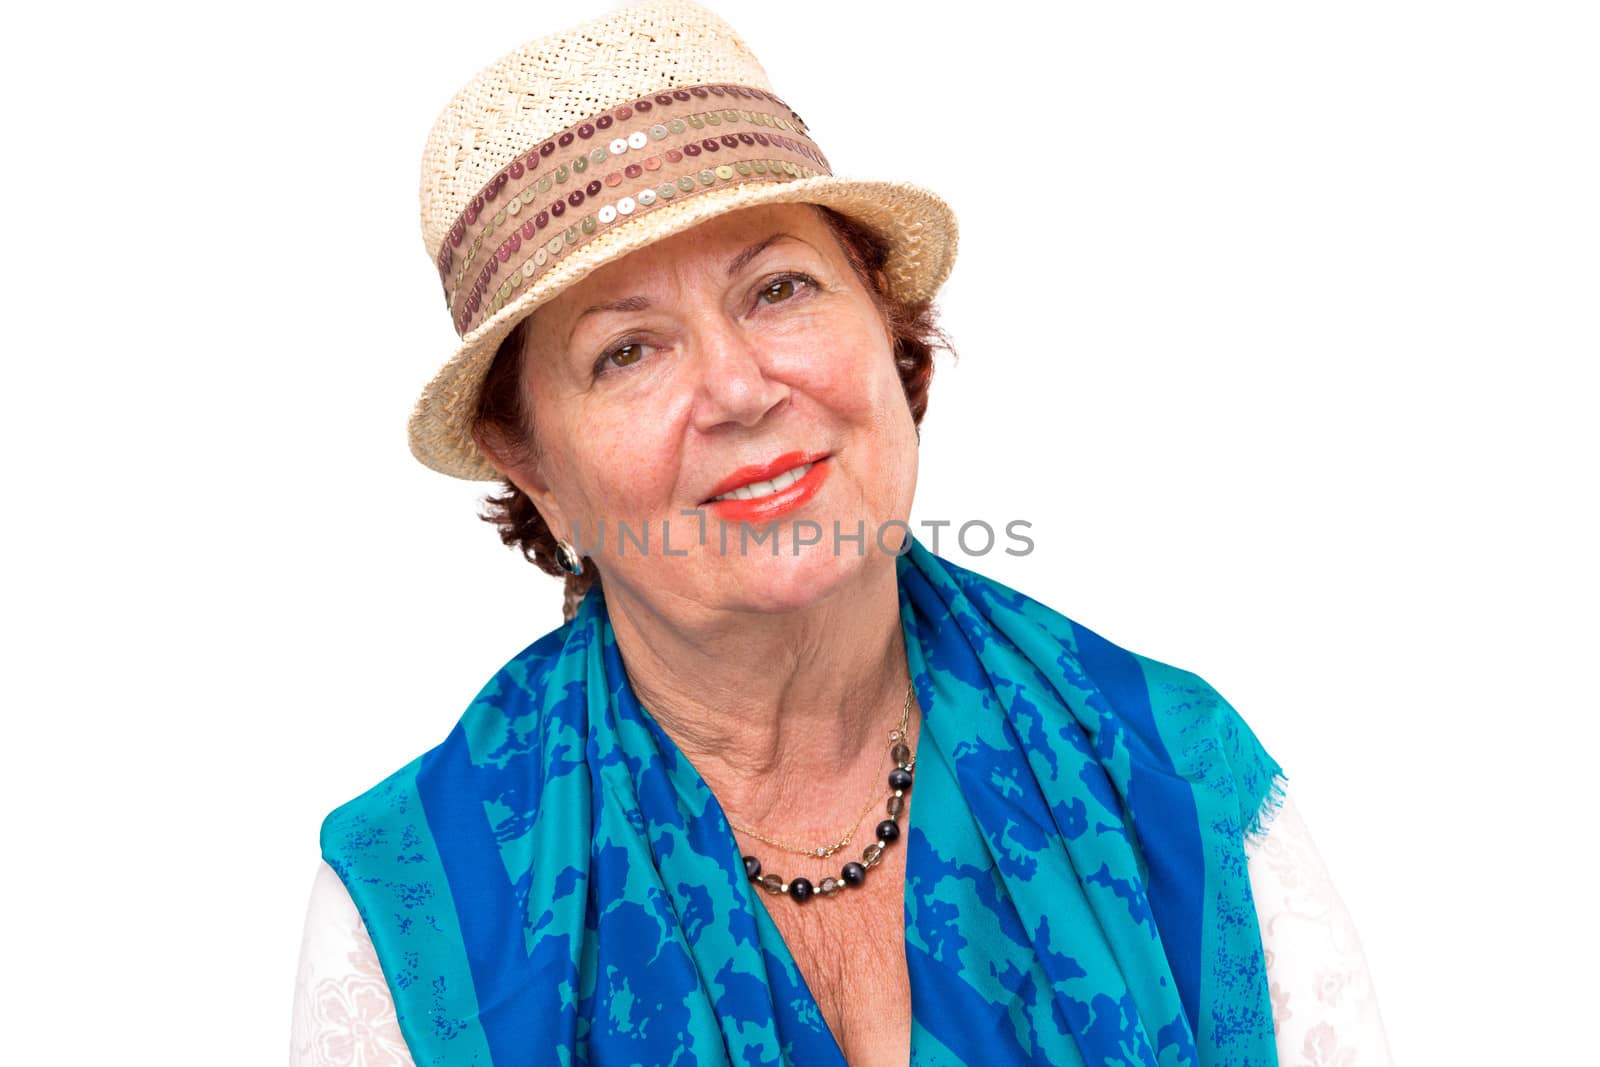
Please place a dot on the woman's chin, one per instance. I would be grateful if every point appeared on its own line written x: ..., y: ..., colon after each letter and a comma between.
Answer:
x: 767, y: 572
x: 776, y: 579
x: 789, y: 581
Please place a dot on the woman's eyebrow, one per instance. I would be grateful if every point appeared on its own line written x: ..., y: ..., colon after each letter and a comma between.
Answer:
x: 639, y: 303
x: 742, y: 260
x: 627, y: 303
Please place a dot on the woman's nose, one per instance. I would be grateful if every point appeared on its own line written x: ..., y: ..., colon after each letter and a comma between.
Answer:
x: 734, y: 385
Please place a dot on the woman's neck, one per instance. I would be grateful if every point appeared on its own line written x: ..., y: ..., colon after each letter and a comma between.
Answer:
x: 785, y: 716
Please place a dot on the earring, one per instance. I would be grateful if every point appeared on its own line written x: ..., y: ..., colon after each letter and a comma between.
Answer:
x: 568, y: 557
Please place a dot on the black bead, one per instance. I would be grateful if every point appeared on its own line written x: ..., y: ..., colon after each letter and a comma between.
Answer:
x: 888, y: 830
x: 853, y: 874
x: 752, y: 867
x: 899, y: 778
x: 800, y: 889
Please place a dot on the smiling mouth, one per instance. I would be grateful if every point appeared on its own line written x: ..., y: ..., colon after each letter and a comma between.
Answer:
x: 757, y: 490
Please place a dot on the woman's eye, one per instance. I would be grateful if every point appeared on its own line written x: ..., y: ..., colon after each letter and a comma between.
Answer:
x: 778, y: 291
x: 628, y: 353
x: 624, y: 355
x: 783, y: 288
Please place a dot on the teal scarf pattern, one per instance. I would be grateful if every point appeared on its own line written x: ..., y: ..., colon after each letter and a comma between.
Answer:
x: 556, y: 884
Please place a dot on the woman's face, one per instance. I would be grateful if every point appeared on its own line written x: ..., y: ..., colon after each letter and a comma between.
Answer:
x: 659, y: 378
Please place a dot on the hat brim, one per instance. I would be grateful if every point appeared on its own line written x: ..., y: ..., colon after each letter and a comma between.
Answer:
x: 918, y: 225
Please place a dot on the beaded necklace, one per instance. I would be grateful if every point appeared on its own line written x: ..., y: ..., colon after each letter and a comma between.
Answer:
x: 887, y: 832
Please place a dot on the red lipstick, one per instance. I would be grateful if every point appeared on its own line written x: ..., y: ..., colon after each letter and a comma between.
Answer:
x: 774, y: 504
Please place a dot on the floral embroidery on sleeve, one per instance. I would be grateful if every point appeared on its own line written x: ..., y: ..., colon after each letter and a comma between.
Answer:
x: 1324, y: 1009
x: 343, y: 1012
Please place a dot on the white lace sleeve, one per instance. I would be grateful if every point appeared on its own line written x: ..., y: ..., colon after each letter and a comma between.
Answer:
x: 1323, y: 1005
x: 343, y: 1011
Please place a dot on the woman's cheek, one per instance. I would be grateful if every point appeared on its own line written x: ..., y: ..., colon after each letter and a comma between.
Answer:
x: 638, y: 462
x: 835, y: 362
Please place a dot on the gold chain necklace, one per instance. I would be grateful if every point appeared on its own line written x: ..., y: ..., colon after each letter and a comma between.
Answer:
x: 888, y: 831
x: 824, y: 851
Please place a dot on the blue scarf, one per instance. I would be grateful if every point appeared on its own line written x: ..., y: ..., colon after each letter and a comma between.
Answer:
x: 555, y: 883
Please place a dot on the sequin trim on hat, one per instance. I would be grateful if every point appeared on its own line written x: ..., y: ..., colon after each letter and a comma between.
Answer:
x: 611, y: 167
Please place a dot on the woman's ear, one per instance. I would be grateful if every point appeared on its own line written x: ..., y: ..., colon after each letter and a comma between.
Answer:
x: 519, y: 464
x: 507, y: 457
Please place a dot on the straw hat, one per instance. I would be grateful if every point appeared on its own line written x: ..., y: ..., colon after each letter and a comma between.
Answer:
x: 579, y: 147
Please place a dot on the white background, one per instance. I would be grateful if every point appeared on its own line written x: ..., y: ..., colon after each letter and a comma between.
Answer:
x: 1277, y: 321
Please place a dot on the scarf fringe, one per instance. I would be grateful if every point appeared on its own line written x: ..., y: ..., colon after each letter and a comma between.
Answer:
x: 1256, y: 829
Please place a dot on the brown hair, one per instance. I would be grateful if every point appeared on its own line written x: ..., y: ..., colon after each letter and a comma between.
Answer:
x: 503, y: 423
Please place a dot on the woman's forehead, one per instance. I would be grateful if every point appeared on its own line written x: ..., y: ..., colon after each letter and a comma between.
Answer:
x: 725, y: 243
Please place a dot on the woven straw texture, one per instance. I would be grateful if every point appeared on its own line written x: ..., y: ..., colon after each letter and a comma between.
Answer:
x: 550, y: 84
x: 556, y: 81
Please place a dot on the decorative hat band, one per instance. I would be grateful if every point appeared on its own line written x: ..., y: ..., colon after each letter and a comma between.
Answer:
x: 561, y: 194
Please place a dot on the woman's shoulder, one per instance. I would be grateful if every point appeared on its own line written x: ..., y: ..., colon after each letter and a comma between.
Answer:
x: 505, y: 718
x: 1157, y: 716
x: 406, y: 847
x: 1174, y: 718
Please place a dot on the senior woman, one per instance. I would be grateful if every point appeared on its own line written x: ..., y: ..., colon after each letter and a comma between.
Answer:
x: 785, y: 786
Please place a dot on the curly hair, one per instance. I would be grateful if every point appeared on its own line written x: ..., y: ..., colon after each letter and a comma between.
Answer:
x: 504, y: 423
